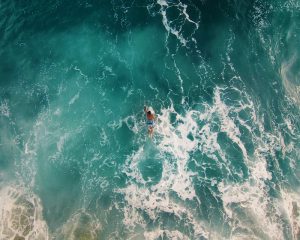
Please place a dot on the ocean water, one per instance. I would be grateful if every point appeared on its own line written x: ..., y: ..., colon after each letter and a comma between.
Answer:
x: 224, y: 79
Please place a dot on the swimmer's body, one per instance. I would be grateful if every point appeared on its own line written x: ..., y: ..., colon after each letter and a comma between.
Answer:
x: 150, y: 115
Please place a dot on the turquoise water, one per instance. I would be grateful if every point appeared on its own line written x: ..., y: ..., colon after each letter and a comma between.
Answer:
x: 75, y: 158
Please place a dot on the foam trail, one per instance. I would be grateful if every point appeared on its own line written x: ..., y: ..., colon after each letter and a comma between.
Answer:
x: 164, y: 6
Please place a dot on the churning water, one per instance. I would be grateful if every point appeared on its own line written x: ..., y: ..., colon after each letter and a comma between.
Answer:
x: 224, y: 79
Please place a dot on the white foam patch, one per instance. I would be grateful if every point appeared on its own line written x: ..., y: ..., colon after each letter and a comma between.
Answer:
x: 132, y: 123
x: 220, y: 114
x: 252, y: 199
x: 227, y: 123
x: 159, y: 233
x: 132, y: 166
x: 26, y: 166
x: 74, y: 98
x: 57, y: 112
x: 153, y: 202
x: 40, y: 135
x: 198, y: 130
x: 81, y: 225
x: 177, y: 32
x: 175, y: 177
x: 289, y: 125
x: 291, y: 5
x: 289, y: 79
x: 291, y: 207
x: 174, y: 141
x: 4, y: 109
x: 81, y: 73
x: 21, y: 215
x: 103, y: 138
x: 61, y: 142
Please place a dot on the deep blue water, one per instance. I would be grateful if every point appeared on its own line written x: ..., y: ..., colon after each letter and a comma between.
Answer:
x: 224, y: 79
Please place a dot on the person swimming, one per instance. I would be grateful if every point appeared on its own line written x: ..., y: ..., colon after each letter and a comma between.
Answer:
x: 150, y: 115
